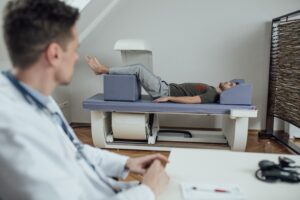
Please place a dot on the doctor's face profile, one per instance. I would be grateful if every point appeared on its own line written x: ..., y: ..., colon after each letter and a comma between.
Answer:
x: 67, y: 59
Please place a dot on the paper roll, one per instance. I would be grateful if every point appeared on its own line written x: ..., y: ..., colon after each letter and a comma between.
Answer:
x: 130, y: 126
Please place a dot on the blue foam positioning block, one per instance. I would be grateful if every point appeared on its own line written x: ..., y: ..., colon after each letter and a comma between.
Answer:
x: 121, y: 88
x: 238, y: 95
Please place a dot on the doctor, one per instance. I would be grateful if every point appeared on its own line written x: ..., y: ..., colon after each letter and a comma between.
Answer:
x: 40, y: 156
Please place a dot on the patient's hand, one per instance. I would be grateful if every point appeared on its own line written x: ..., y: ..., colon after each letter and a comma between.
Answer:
x: 95, y: 65
x: 161, y: 99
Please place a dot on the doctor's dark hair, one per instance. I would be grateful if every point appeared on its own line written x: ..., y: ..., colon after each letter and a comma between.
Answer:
x: 29, y: 26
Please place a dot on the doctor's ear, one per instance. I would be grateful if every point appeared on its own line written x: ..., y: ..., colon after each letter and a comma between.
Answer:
x: 53, y: 54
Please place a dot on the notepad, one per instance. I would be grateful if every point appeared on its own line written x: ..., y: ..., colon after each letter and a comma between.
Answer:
x: 193, y: 191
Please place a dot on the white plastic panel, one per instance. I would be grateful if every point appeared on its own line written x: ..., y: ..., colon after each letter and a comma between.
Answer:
x: 132, y: 44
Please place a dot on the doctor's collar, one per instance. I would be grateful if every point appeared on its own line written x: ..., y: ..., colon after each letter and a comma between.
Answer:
x: 39, y: 96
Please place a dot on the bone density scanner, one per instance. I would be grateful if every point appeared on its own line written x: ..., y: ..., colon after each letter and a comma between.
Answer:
x: 123, y: 118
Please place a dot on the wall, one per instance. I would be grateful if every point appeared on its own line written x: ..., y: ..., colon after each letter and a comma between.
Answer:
x: 193, y: 41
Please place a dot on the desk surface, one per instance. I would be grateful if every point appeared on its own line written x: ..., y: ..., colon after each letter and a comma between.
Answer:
x: 217, y: 167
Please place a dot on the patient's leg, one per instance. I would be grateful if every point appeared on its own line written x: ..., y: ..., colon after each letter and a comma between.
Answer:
x: 153, y: 84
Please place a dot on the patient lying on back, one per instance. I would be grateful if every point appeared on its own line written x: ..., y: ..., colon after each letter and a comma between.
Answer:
x: 162, y: 91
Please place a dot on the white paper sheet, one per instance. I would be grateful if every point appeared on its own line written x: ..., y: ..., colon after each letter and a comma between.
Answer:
x: 193, y: 191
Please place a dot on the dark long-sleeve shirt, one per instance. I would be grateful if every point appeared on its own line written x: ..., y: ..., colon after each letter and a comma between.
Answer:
x: 207, y: 93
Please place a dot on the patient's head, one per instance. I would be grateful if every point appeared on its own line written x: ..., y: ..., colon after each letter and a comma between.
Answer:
x: 227, y: 85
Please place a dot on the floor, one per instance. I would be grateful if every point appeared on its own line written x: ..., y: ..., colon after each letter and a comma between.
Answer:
x: 254, y: 144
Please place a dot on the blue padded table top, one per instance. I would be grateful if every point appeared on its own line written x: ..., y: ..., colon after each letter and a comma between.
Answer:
x: 97, y: 102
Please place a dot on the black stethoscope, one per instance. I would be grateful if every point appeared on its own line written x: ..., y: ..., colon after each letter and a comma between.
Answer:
x: 33, y: 100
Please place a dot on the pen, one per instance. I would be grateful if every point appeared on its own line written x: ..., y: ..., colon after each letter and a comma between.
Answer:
x: 210, y: 190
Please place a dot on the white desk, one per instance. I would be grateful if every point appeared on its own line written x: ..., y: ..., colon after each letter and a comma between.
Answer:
x: 217, y: 166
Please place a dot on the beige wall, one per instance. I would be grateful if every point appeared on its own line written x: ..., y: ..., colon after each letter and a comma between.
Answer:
x: 192, y: 41
x: 195, y: 40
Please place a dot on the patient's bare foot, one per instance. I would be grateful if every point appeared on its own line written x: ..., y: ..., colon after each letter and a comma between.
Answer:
x: 95, y: 65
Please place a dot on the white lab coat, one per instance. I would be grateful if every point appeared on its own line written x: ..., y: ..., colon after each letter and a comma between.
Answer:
x: 38, y: 161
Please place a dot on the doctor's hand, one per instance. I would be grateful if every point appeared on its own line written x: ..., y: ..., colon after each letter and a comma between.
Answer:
x: 141, y: 164
x: 156, y: 178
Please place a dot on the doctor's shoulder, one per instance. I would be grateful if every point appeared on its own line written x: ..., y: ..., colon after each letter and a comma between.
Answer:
x: 14, y: 111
